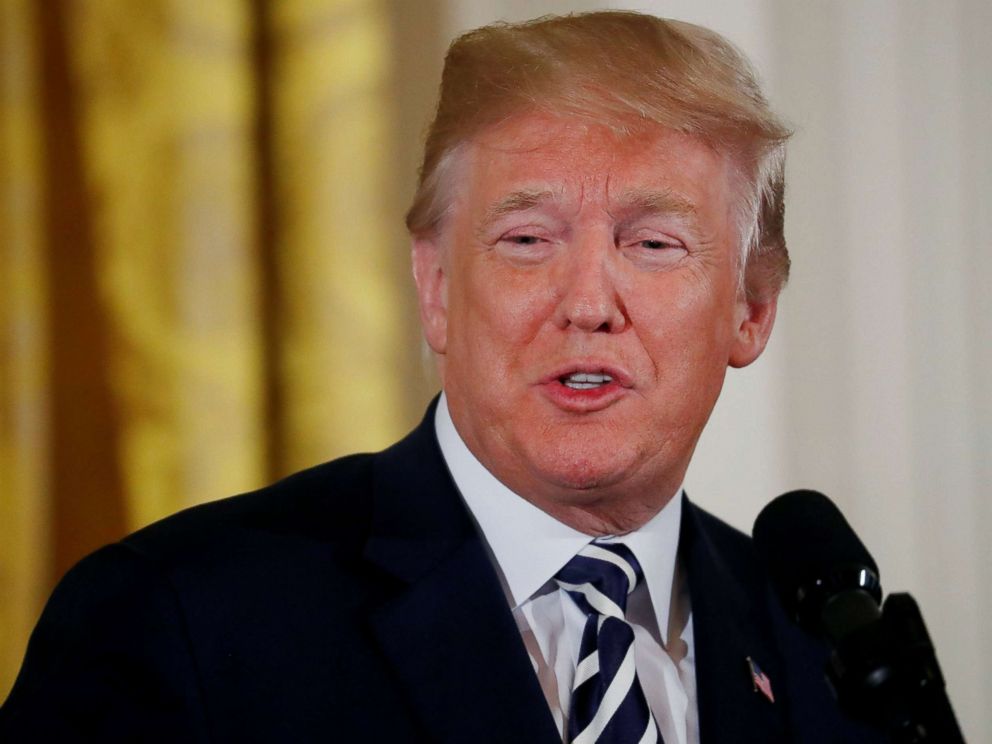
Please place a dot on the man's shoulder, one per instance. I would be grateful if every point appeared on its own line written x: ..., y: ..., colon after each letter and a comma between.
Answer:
x: 729, y: 542
x: 311, y: 526
x: 718, y: 527
x: 207, y: 602
x: 327, y: 502
x: 237, y: 557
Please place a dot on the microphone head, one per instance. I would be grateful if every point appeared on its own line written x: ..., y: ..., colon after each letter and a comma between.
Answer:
x: 811, y: 555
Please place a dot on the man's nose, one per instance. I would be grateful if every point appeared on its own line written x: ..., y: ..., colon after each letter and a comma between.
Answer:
x: 590, y: 300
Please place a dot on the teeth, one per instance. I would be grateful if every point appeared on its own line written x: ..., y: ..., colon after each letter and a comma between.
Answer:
x: 586, y: 380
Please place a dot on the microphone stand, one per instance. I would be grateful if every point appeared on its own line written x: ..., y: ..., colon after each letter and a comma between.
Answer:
x: 884, y: 670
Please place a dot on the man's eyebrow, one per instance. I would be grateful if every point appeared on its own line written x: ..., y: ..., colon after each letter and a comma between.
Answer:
x: 517, y: 201
x: 654, y: 201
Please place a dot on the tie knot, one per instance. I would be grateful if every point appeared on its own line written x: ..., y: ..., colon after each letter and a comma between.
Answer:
x: 600, y: 577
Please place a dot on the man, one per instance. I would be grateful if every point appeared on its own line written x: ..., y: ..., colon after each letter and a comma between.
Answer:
x: 597, y: 237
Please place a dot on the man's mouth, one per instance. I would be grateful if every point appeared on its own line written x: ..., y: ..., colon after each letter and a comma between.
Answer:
x: 585, y: 380
x: 586, y: 386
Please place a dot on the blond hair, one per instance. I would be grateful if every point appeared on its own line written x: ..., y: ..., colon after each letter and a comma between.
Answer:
x: 628, y: 71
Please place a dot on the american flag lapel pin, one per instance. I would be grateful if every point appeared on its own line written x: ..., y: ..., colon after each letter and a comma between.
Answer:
x: 760, y: 680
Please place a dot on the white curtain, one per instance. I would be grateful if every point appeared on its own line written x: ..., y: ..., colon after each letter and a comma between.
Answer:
x: 876, y: 386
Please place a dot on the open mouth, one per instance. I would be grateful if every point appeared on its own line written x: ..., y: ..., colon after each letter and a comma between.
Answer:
x: 585, y: 380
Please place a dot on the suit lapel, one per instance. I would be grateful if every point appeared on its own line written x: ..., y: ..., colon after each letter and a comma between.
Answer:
x: 447, y: 629
x: 448, y: 633
x: 730, y: 626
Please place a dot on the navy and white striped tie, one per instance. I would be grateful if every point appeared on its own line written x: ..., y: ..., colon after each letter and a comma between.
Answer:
x: 608, y: 704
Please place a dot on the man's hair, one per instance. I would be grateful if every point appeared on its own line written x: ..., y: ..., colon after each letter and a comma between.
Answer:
x: 628, y: 71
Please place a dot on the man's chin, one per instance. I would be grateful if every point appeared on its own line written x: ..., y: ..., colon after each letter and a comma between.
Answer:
x: 604, y: 474
x: 595, y: 499
x: 584, y: 480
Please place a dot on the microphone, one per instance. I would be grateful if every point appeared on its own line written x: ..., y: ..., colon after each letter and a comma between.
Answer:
x: 883, y: 668
x: 824, y: 575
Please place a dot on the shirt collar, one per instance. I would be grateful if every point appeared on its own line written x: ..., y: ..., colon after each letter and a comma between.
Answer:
x: 530, y: 546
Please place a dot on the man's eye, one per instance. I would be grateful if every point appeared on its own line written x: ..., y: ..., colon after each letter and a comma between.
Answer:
x: 523, y: 239
x: 653, y: 254
x: 525, y: 249
x: 655, y: 245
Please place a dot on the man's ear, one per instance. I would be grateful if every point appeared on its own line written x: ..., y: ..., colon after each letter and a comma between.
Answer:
x: 431, y: 277
x: 755, y: 319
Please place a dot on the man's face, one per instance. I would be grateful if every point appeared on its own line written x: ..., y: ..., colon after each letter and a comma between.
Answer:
x: 582, y: 300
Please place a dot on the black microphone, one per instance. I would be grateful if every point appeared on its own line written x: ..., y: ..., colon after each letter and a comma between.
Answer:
x: 883, y: 669
x: 824, y: 575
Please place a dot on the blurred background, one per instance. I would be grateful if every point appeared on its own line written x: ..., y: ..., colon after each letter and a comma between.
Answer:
x: 204, y: 275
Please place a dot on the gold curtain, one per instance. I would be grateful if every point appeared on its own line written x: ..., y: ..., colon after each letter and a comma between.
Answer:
x: 203, y: 270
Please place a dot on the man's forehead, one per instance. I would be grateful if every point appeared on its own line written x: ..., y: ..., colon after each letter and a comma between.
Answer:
x: 547, y: 141
x: 535, y: 159
x: 624, y: 200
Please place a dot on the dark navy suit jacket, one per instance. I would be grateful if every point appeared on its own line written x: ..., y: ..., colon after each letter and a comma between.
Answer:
x: 355, y: 602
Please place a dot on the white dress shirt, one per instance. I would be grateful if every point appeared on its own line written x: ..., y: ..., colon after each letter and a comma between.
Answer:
x: 528, y: 547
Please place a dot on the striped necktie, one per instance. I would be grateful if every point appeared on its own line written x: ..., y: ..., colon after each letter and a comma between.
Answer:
x: 608, y: 704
